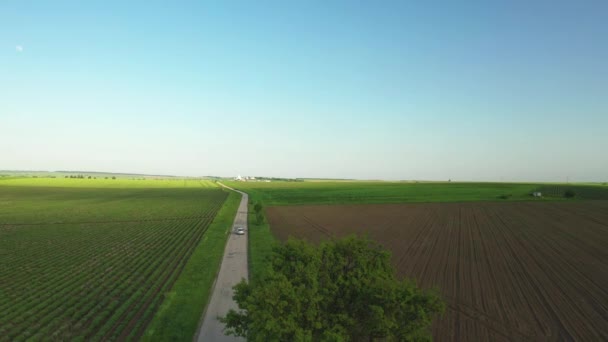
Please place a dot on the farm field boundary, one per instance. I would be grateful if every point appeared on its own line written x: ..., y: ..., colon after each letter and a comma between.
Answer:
x: 331, y: 192
x: 179, y: 315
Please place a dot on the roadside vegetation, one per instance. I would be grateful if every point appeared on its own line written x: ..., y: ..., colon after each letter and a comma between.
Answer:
x: 260, y: 240
x: 343, y: 290
x: 179, y: 315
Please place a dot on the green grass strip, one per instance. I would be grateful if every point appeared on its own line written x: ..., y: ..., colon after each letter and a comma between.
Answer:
x: 260, y: 240
x: 179, y: 315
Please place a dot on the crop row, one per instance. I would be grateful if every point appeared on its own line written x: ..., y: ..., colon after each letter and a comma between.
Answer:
x: 71, y: 258
x: 98, y: 282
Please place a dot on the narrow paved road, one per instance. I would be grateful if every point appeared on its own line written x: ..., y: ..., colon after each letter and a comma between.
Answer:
x: 233, y: 269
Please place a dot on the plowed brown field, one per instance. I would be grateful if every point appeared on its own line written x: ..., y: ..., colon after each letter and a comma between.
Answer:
x: 508, y: 271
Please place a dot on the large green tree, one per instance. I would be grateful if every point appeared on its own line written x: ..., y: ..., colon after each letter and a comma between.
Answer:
x: 342, y: 290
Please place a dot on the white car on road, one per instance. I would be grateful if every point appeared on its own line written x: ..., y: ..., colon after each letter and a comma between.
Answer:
x: 239, y: 231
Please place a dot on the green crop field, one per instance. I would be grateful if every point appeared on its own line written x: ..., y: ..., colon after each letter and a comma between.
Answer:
x: 352, y: 192
x: 91, y: 259
x: 595, y: 192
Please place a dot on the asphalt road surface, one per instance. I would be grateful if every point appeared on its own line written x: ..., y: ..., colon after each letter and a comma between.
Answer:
x: 233, y: 269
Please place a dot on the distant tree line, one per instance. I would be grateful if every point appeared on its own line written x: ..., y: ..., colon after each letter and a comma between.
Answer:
x: 83, y: 177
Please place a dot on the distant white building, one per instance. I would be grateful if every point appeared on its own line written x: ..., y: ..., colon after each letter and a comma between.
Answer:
x: 243, y: 178
x: 537, y: 194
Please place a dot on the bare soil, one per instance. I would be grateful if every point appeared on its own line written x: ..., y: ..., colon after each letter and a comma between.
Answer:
x: 514, y: 271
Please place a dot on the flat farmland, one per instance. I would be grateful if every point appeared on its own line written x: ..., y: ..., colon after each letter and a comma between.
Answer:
x: 367, y: 192
x: 508, y: 270
x: 91, y: 259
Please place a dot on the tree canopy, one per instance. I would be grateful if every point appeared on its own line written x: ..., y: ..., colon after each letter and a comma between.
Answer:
x: 341, y: 290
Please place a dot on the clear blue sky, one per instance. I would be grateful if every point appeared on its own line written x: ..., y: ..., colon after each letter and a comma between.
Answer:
x: 467, y: 90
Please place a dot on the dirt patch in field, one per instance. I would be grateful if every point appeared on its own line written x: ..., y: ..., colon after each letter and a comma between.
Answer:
x: 508, y: 271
